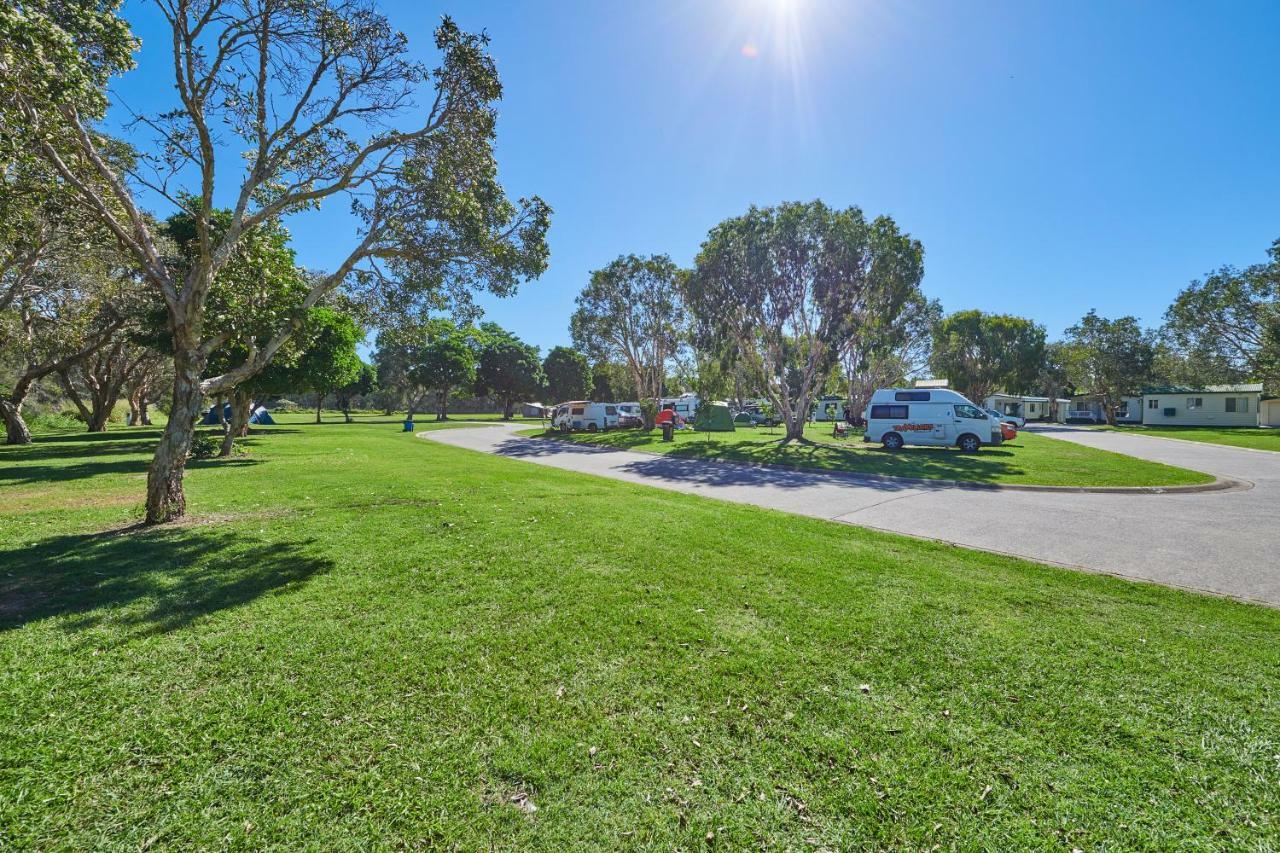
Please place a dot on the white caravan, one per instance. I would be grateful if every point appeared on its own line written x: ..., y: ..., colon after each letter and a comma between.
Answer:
x: 935, y: 416
x: 686, y: 405
x: 581, y: 414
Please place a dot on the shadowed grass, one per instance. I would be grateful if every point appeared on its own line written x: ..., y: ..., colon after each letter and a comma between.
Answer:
x: 370, y: 640
x: 1029, y: 460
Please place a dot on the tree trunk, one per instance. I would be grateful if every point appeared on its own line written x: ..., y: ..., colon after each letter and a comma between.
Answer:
x: 144, y: 406
x: 135, y: 411
x: 508, y: 409
x: 442, y: 405
x: 165, y: 498
x: 319, y: 403
x: 240, y: 405
x: 15, y: 427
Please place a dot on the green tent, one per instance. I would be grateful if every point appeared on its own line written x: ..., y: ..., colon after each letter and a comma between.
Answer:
x: 713, y: 417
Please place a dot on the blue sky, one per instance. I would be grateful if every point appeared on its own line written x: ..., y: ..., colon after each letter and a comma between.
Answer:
x: 1052, y: 157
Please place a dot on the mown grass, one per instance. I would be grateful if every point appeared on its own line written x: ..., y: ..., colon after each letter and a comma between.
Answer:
x: 1030, y: 459
x: 1256, y: 438
x: 363, y: 639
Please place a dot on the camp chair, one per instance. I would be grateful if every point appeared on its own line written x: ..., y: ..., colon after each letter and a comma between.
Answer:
x: 839, y: 429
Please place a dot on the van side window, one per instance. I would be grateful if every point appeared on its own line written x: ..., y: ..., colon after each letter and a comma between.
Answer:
x: 911, y: 396
x: 890, y: 413
x: 576, y: 410
x: 963, y: 411
x: 610, y: 410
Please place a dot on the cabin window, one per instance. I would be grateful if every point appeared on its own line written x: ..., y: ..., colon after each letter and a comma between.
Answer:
x: 1238, y: 404
x: 1195, y: 403
x: 1153, y: 404
x: 890, y: 413
x: 911, y: 396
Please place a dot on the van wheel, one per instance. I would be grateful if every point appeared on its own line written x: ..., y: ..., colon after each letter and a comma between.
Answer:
x: 969, y: 443
x: 892, y: 441
x: 591, y: 427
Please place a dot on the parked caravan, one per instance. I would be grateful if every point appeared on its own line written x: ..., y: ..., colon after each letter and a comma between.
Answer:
x: 585, y: 415
x: 686, y: 405
x: 936, y: 416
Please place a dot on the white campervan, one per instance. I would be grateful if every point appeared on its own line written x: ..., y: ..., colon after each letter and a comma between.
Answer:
x: 582, y: 414
x: 935, y: 416
x: 686, y: 405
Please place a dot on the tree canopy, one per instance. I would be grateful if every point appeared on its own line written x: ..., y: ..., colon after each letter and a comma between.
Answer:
x: 568, y: 375
x: 982, y: 353
x: 1109, y: 358
x: 793, y: 287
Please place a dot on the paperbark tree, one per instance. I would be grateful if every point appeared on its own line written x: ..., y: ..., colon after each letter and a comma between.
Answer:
x: 94, y: 383
x: 891, y: 351
x: 441, y: 360
x: 793, y: 287
x: 328, y: 359
x: 323, y: 95
x: 142, y: 386
x: 632, y: 311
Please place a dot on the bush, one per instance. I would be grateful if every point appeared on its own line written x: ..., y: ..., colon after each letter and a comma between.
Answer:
x: 52, y: 421
x: 648, y: 411
x: 204, y: 446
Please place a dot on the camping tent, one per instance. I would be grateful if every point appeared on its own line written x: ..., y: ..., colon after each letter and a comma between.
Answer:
x: 211, y: 417
x: 713, y: 417
x: 261, y: 417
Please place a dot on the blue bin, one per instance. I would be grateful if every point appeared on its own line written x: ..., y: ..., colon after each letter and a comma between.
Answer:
x: 408, y: 426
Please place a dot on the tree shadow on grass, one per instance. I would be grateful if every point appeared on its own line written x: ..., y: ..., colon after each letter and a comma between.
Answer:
x: 138, y: 582
x: 33, y: 474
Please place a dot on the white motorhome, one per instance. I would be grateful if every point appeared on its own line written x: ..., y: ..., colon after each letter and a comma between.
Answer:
x: 933, y: 416
x: 686, y: 405
x: 582, y: 414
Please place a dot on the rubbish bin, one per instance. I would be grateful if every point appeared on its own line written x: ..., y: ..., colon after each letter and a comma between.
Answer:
x: 408, y: 426
x: 668, y: 431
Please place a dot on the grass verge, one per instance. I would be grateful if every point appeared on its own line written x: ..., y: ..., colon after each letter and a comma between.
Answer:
x: 364, y: 639
x: 1255, y: 438
x: 1028, y: 460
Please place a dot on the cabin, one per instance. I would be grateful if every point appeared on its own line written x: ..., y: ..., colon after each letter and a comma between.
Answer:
x: 1214, y: 405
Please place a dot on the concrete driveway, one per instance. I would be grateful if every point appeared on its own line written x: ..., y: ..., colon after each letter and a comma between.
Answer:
x: 1225, y: 542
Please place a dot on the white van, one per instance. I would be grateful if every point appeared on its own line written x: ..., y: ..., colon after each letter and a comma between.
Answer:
x: 936, y: 416
x: 582, y: 414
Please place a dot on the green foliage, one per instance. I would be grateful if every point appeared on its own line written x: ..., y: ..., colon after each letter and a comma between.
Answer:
x: 1110, y: 358
x: 631, y: 312
x: 793, y: 286
x: 508, y: 368
x: 328, y: 360
x: 568, y: 375
x: 1231, y: 320
x: 982, y: 353
x: 438, y: 356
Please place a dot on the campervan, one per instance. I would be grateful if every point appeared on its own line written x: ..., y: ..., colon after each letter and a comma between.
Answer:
x: 581, y: 414
x: 686, y: 405
x: 629, y: 415
x: 935, y: 416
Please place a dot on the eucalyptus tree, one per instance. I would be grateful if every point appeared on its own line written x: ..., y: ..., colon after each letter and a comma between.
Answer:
x: 982, y: 353
x: 1108, y: 358
x: 364, y: 383
x: 327, y: 102
x: 328, y: 359
x: 1231, y: 319
x: 631, y: 311
x: 94, y: 384
x: 442, y: 359
x: 792, y: 287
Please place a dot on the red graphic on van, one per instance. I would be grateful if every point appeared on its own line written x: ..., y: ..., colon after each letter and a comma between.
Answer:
x: 914, y: 428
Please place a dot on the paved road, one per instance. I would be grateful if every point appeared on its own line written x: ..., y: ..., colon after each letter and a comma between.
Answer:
x: 1221, y: 542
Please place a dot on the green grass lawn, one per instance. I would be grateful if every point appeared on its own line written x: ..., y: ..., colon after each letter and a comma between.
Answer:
x: 1252, y: 437
x: 364, y: 639
x: 1030, y: 459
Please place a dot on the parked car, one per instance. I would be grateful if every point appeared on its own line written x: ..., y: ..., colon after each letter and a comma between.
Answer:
x: 1019, y: 423
x: 629, y: 415
x: 938, y: 417
x: 584, y: 415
